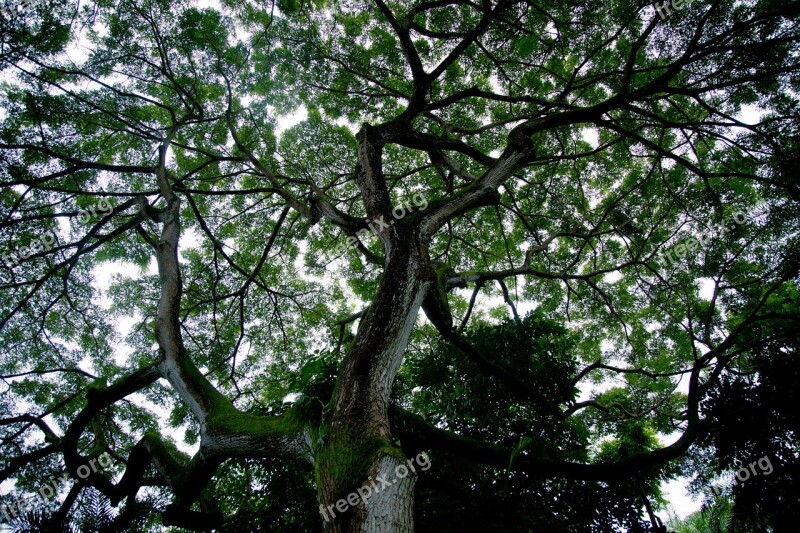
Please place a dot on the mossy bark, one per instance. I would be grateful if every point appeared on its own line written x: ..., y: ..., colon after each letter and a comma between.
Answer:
x: 359, y: 455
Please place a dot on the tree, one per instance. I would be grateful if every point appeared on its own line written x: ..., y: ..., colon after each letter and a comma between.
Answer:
x: 591, y: 161
x: 714, y: 518
x: 750, y: 417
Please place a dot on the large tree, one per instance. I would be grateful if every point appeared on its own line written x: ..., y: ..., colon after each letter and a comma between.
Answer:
x: 629, y: 170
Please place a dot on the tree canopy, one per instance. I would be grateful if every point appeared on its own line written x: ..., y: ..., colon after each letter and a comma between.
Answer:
x: 268, y: 256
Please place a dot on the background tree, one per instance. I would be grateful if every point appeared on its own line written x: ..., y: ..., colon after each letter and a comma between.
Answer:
x: 460, y: 157
x: 750, y: 417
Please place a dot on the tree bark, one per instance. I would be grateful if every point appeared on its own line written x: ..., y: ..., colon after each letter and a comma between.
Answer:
x: 359, y: 457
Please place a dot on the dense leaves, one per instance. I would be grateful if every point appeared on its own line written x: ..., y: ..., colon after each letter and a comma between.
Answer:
x: 631, y: 178
x: 458, y: 495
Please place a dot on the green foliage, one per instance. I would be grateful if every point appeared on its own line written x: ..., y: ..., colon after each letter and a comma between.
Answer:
x: 96, y: 515
x: 444, y: 382
x: 752, y: 417
x: 455, y: 495
x: 270, y: 495
x: 712, y: 519
x: 641, y: 136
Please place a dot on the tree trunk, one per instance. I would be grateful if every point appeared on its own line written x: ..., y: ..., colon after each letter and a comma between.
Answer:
x: 359, y: 459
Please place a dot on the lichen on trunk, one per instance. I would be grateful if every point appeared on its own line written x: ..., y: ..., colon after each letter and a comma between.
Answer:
x: 359, y: 448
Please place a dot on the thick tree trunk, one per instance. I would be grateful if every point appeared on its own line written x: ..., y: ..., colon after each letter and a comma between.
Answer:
x: 359, y: 460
